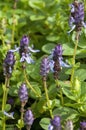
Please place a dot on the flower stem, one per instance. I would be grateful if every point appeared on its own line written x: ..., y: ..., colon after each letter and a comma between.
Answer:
x: 61, y: 93
x: 61, y: 96
x: 28, y: 127
x: 47, y: 97
x: 30, y: 86
x: 13, y: 30
x: 3, y: 40
x: 5, y: 92
x: 22, y: 114
x: 14, y: 21
x: 74, y: 56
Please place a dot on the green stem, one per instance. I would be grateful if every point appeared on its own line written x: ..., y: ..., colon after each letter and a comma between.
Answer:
x: 47, y: 98
x: 61, y: 93
x: 3, y: 40
x: 28, y: 127
x: 5, y: 92
x: 61, y: 96
x: 22, y: 114
x: 30, y: 86
x: 74, y: 56
x: 4, y: 123
x: 13, y: 29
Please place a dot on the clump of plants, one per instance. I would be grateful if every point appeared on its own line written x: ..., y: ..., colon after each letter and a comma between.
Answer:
x: 43, y: 88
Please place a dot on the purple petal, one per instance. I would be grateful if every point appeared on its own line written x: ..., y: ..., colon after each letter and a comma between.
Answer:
x: 9, y: 114
x: 14, y: 50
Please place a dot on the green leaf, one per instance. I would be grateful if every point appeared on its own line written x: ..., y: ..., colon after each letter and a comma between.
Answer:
x: 34, y: 71
x: 66, y: 113
x: 44, y: 123
x: 83, y: 92
x: 77, y: 86
x: 10, y: 127
x: 81, y: 73
x: 7, y: 107
x: 68, y: 49
x: 75, y: 105
x: 69, y: 94
x: 36, y: 17
x: 36, y: 88
x: 20, y: 123
x: 82, y: 40
x: 52, y: 89
x: 55, y: 103
x: 37, y: 4
x: 13, y: 91
x: 52, y: 38
x: 47, y: 48
x: 81, y: 54
x: 38, y: 107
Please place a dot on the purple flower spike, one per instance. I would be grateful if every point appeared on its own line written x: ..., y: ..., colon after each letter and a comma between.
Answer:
x: 23, y: 93
x: 8, y: 64
x: 76, y: 20
x: 45, y: 67
x: 28, y: 117
x: 24, y: 45
x: 25, y: 51
x: 9, y: 58
x: 57, y: 52
x: 83, y: 125
x: 56, y: 123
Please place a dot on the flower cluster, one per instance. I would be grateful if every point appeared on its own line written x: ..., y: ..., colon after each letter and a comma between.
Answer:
x: 54, y: 62
x: 25, y: 50
x: 57, y: 52
x: 55, y: 123
x: 76, y: 20
x: 8, y: 64
x: 57, y: 56
x: 45, y: 67
x: 28, y: 118
x: 23, y: 93
x: 24, y: 46
x: 83, y: 125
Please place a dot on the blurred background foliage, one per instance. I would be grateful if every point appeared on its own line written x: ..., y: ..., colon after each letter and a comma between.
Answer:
x: 46, y: 24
